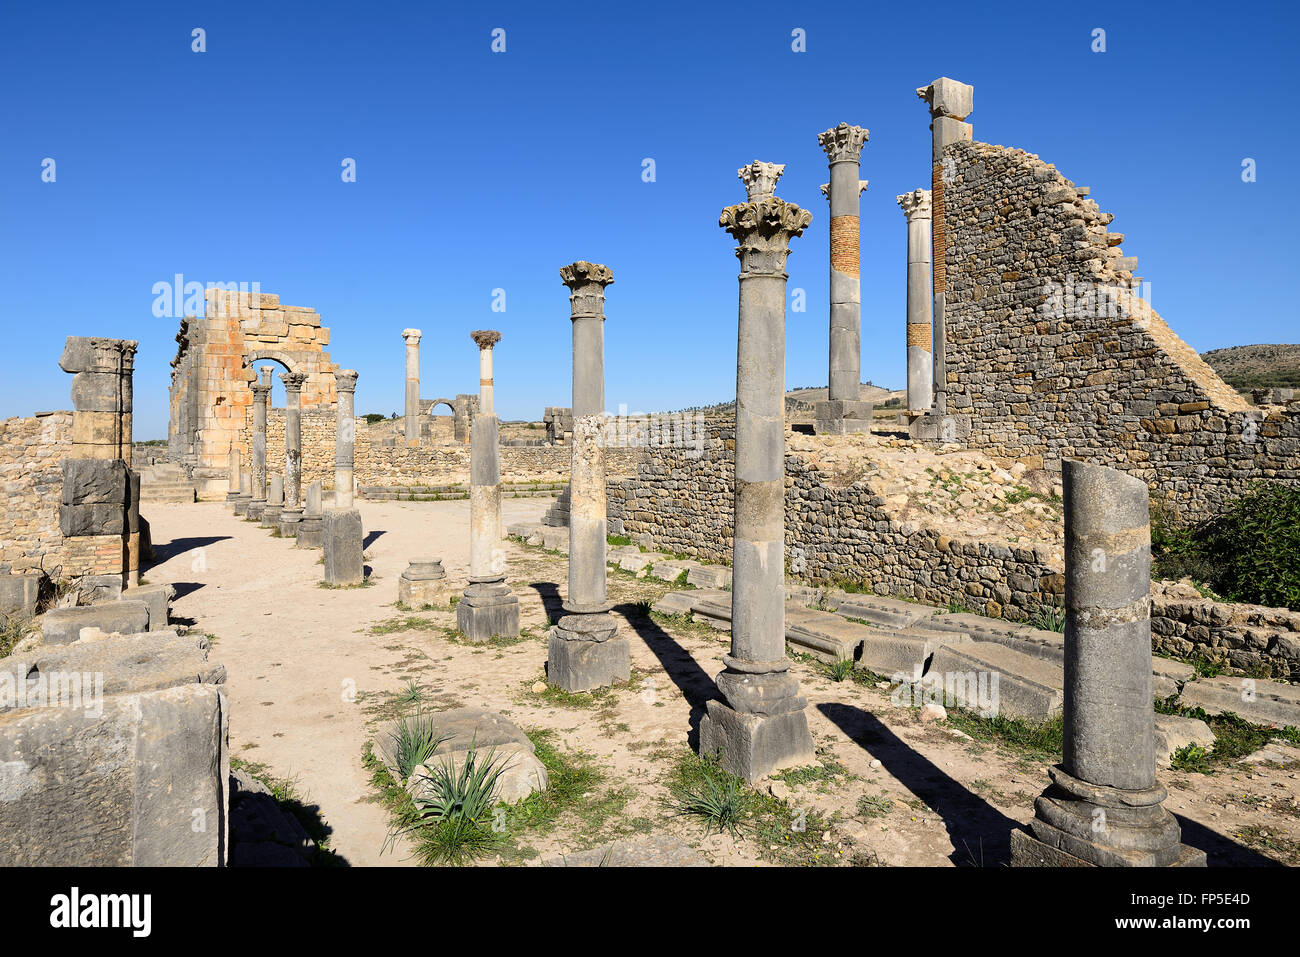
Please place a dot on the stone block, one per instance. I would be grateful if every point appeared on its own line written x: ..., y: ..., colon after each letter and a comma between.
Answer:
x: 940, y: 428
x: 342, y: 541
x: 121, y: 790
x: 709, y: 576
x: 487, y: 611
x: 1028, y: 851
x: 78, y: 520
x: 1028, y: 688
x: 61, y: 626
x: 577, y: 665
x: 95, y: 482
x: 908, y: 652
x: 1174, y: 732
x: 754, y: 746
x: 158, y: 598
x: 19, y: 594
x: 1255, y: 699
x: 884, y: 612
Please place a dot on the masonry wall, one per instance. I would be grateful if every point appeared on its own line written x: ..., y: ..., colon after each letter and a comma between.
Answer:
x: 1051, y: 357
x: 31, y: 473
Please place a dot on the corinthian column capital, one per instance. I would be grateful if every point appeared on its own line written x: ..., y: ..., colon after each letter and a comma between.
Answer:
x: 760, y: 179
x: 916, y: 204
x: 843, y: 143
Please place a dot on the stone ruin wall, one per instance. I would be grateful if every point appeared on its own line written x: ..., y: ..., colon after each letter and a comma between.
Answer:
x: 32, y: 451
x: 1045, y: 376
x: 837, y: 534
x: 215, y: 365
x: 379, y: 462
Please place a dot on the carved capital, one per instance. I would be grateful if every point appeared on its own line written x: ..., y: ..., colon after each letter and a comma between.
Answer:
x: 948, y: 98
x: 293, y: 381
x: 485, y: 338
x: 844, y: 143
x: 763, y: 231
x: 345, y: 380
x: 760, y: 179
x: 583, y: 272
x: 587, y: 282
x: 916, y: 204
x: 411, y: 336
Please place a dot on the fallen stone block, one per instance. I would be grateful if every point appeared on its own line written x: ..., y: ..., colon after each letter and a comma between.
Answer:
x: 875, y: 610
x: 63, y: 625
x: 675, y: 603
x: 19, y: 594
x: 889, y: 653
x: 635, y: 563
x: 158, y: 598
x: 709, y: 576
x: 823, y: 634
x: 1174, y: 732
x: 671, y: 570
x: 523, y: 530
x: 1257, y: 700
x: 1027, y: 687
x: 125, y: 789
x: 1276, y: 751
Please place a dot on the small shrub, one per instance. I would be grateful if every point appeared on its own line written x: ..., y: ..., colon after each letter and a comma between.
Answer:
x: 840, y: 669
x: 716, y: 796
x: 1048, y: 618
x: 454, y: 806
x: 414, y: 742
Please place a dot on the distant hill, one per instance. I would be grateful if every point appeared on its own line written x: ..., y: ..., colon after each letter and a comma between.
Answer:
x: 1257, y: 367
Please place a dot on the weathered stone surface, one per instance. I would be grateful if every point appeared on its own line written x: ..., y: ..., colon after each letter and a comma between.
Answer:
x: 577, y: 665
x: 755, y: 746
x: 1174, y: 732
x: 487, y: 611
x: 19, y: 594
x: 63, y: 625
x: 1028, y: 687
x: 158, y: 598
x: 95, y: 482
x: 342, y: 540
x: 651, y: 850
x: 1255, y: 699
x: 123, y: 790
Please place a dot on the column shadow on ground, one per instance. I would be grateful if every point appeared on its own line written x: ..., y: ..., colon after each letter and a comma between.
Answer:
x: 178, y: 546
x: 980, y: 834
x: 695, y: 684
x: 371, y: 536
x: 1221, y: 851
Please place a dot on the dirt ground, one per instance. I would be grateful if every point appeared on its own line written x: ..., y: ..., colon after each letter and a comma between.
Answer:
x: 310, y: 677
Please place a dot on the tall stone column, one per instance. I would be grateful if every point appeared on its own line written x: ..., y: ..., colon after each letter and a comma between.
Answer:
x: 485, y: 339
x: 759, y: 726
x: 261, y: 397
x: 233, y: 457
x: 344, y: 444
x: 584, y: 649
x: 412, y: 337
x: 488, y: 608
x: 950, y: 103
x: 291, y: 514
x: 920, y: 367
x: 843, y: 411
x: 1104, y: 806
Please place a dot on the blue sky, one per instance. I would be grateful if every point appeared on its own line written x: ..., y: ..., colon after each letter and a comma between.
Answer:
x: 479, y: 170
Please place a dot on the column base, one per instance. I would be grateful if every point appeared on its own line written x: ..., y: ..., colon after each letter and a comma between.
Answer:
x: 290, y: 519
x: 585, y: 652
x: 488, y: 610
x: 841, y: 417
x: 255, y: 510
x: 753, y: 746
x: 271, y: 516
x: 1108, y: 827
x: 311, y: 531
x: 241, y: 504
x: 1029, y: 851
x: 940, y: 428
x: 341, y: 539
x: 232, y: 496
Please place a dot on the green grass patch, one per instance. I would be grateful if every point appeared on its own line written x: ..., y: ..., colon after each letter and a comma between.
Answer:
x: 1037, y: 738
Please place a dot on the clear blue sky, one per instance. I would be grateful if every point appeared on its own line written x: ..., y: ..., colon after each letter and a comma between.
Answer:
x: 478, y: 170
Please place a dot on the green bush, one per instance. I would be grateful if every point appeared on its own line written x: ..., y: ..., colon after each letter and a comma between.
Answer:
x: 1254, y: 546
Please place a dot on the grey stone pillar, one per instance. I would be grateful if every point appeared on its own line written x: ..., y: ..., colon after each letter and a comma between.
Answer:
x: 412, y: 337
x: 488, y: 608
x: 344, y: 444
x: 920, y: 367
x: 843, y: 410
x: 291, y: 514
x: 245, y: 497
x: 1104, y: 806
x: 274, y: 502
x: 233, y: 458
x: 759, y: 726
x: 950, y: 103
x: 485, y: 339
x: 310, y: 529
x: 585, y: 650
x: 261, y: 397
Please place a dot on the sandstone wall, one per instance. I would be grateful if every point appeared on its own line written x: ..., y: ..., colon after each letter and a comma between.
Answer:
x: 1253, y: 638
x: 1052, y: 356
x: 31, y: 470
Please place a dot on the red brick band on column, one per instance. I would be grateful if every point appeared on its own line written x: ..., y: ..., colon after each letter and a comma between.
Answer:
x: 938, y: 263
x: 844, y: 245
x: 918, y: 334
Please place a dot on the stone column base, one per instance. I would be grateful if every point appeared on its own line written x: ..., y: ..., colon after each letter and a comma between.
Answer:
x: 311, y: 531
x: 290, y: 519
x: 940, y: 428
x: 841, y: 417
x: 752, y: 746
x: 425, y: 583
x: 1029, y: 851
x: 341, y: 539
x: 232, y: 496
x: 255, y: 510
x: 271, y: 516
x: 488, y: 610
x: 585, y: 652
x: 241, y: 504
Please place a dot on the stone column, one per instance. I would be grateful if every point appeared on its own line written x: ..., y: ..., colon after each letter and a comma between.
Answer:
x: 233, y: 457
x: 261, y: 397
x: 274, y: 503
x: 759, y: 726
x: 245, y: 497
x: 584, y: 650
x: 920, y: 368
x: 1104, y: 806
x: 485, y: 339
x: 344, y: 449
x: 291, y: 514
x: 412, y: 337
x: 311, y: 528
x: 843, y: 410
x: 950, y: 103
x: 488, y: 608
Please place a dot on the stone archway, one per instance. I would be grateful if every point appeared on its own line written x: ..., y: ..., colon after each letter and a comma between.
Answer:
x: 449, y: 403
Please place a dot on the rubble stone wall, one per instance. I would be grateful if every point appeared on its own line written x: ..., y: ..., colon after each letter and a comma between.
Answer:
x: 32, y: 451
